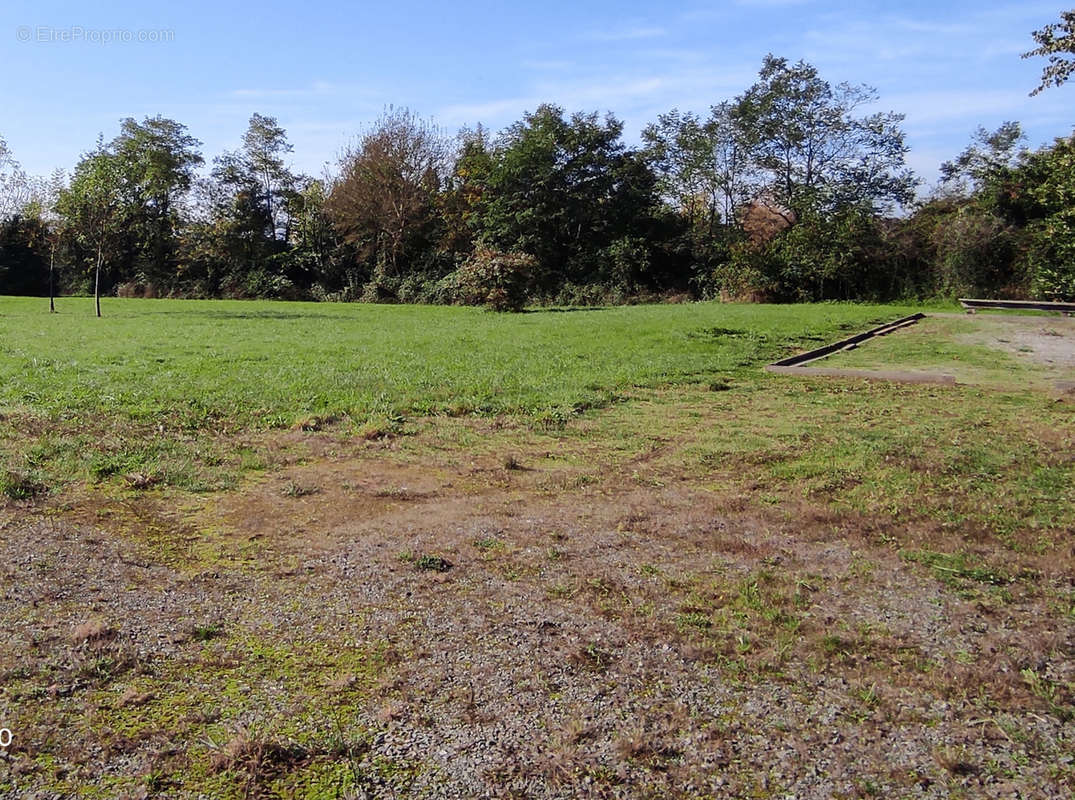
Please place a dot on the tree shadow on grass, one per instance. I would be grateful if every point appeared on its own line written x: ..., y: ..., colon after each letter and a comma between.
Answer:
x: 564, y: 310
x: 273, y: 315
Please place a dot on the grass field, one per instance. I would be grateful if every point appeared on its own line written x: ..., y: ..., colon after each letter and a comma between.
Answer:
x: 332, y: 551
x: 98, y: 392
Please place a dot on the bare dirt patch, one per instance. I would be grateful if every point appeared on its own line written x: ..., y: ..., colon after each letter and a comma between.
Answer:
x: 1048, y: 341
x: 375, y: 623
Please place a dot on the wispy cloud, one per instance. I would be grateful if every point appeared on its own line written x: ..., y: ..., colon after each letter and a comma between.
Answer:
x: 928, y: 107
x: 315, y: 89
x: 626, y: 34
x: 770, y: 3
x: 853, y: 41
x: 636, y: 99
x: 931, y: 27
x: 488, y: 112
x: 548, y: 64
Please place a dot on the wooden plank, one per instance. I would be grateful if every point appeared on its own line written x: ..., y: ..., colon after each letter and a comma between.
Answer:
x: 845, y: 344
x: 1016, y: 305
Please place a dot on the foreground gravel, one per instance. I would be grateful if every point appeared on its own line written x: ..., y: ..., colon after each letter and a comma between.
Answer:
x: 608, y: 642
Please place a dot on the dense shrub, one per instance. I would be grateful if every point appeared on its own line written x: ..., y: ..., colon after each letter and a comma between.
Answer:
x: 1050, y: 175
x: 1051, y: 257
x: 819, y: 257
x: 976, y: 253
x: 628, y: 262
x: 261, y: 283
x: 501, y: 281
x: 23, y: 256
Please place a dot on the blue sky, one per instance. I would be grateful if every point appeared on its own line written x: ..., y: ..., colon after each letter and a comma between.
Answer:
x: 327, y: 68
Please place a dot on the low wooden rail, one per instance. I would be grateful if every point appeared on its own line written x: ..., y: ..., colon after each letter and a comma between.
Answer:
x: 1013, y: 305
x: 844, y: 344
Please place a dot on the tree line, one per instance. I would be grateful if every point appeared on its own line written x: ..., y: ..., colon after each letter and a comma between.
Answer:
x: 787, y: 192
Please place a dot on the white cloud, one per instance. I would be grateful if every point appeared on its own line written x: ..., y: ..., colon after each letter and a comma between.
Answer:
x: 926, y: 108
x: 315, y: 89
x: 550, y: 65
x: 636, y: 99
x: 626, y: 34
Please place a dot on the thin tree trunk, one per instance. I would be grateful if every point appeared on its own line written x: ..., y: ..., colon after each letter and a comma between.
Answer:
x: 52, y: 292
x: 97, y: 283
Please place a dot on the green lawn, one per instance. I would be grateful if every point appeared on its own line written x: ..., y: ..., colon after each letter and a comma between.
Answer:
x: 271, y: 363
x: 188, y: 393
x: 163, y: 387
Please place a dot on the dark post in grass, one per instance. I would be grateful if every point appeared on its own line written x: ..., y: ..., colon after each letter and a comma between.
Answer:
x: 52, y: 291
x: 97, y: 280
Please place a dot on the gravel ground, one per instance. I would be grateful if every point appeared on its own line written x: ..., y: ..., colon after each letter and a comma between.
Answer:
x: 604, y: 640
x: 1049, y: 341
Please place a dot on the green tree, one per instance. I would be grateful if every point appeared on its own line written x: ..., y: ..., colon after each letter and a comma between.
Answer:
x: 238, y: 239
x: 703, y: 165
x: 1006, y: 229
x: 1048, y: 178
x: 22, y: 246
x: 157, y: 160
x: 818, y: 174
x: 465, y: 192
x: 564, y: 190
x: 812, y: 148
x: 264, y: 146
x: 92, y: 209
x: 706, y: 175
x: 14, y: 184
x: 314, y: 242
x: 384, y: 203
x: 27, y: 229
x: 138, y: 178
x: 226, y: 247
x: 987, y: 160
x: 1057, y: 41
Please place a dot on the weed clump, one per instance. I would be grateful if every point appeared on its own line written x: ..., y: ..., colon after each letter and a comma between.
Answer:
x: 203, y: 633
x: 386, y: 427
x: 141, y: 480
x: 488, y: 542
x: 292, y: 489
x: 431, y: 563
x: 426, y: 562
x: 593, y: 658
x: 259, y: 757
x: 314, y: 423
x: 16, y: 485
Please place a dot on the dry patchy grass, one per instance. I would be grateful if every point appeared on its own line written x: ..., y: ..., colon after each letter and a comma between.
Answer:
x: 822, y: 588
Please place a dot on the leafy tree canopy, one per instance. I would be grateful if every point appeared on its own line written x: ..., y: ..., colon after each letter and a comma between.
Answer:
x: 563, y: 189
x: 989, y: 156
x: 1057, y: 41
x: 806, y: 138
